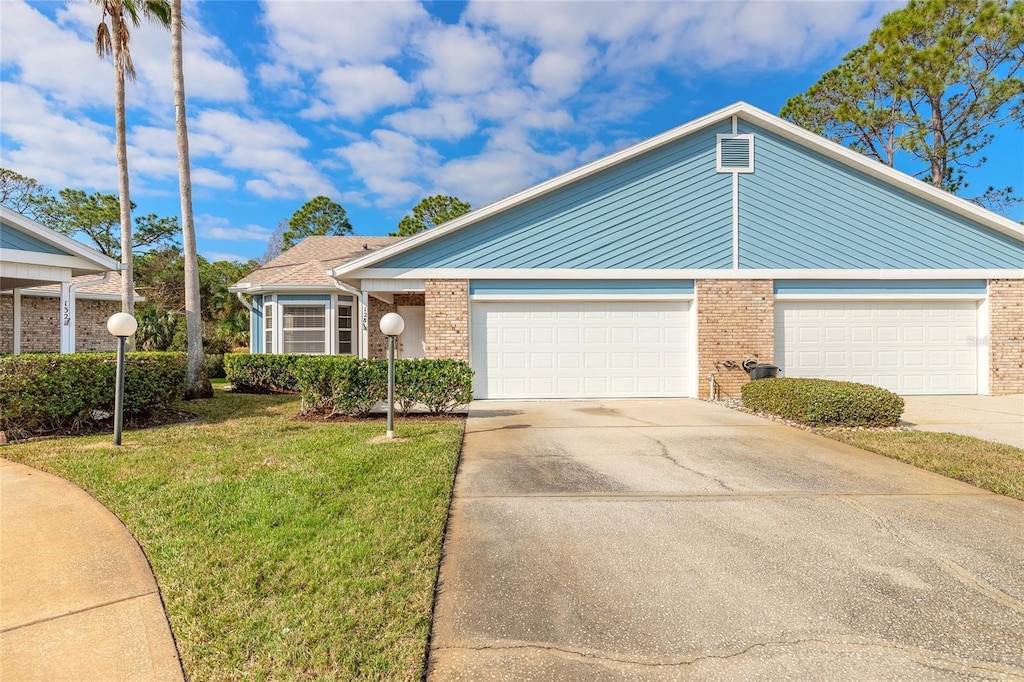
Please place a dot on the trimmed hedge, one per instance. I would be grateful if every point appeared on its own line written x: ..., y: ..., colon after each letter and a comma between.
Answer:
x: 214, y: 365
x: 262, y: 373
x: 823, y: 402
x: 342, y: 384
x: 41, y: 393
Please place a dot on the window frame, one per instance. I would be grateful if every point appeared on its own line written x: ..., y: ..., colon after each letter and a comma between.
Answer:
x: 324, y: 306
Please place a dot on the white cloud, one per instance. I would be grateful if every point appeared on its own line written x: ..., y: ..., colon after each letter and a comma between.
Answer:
x: 206, y: 177
x: 268, y: 149
x: 391, y: 165
x: 308, y: 36
x: 355, y: 91
x: 561, y: 73
x: 57, y: 150
x: 52, y: 58
x: 216, y: 227
x: 444, y: 120
x: 460, y: 61
x: 214, y: 256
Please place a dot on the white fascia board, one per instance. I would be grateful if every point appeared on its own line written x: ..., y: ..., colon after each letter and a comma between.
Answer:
x: 580, y: 297
x: 94, y: 259
x: 76, y: 263
x: 284, y: 289
x: 880, y: 171
x: 629, y: 274
x: 894, y: 296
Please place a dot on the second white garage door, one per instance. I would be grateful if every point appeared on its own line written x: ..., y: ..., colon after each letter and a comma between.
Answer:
x: 580, y: 349
x: 909, y: 347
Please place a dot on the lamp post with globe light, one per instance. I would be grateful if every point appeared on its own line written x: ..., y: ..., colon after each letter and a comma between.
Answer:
x: 391, y: 325
x: 121, y: 325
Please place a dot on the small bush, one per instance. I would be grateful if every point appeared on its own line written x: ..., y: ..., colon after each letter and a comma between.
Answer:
x: 353, y: 386
x: 214, y: 365
x: 262, y: 373
x: 41, y: 393
x: 822, y: 402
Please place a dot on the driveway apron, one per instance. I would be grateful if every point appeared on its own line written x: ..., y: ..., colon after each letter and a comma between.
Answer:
x: 676, y: 539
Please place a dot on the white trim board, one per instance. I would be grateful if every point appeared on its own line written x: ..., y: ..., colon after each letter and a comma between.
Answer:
x: 580, y: 297
x: 893, y: 296
x: 94, y: 260
x: 632, y: 274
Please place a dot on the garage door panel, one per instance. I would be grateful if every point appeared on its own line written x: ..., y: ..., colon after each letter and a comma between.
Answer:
x: 579, y: 349
x: 910, y: 347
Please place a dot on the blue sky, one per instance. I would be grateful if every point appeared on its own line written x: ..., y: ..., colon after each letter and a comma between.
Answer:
x: 380, y: 104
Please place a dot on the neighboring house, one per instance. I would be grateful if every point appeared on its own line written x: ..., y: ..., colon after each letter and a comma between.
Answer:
x: 55, y: 293
x: 735, y: 235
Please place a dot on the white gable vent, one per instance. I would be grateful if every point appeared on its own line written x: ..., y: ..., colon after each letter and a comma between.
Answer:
x: 735, y: 154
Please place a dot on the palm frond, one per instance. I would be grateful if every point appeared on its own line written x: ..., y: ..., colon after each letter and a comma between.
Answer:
x: 104, y: 47
x: 159, y: 11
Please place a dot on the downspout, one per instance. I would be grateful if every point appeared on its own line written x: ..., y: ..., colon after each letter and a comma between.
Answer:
x: 73, y: 305
x: 364, y: 314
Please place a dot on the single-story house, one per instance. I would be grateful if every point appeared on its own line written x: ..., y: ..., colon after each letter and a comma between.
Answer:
x: 55, y: 293
x: 665, y: 265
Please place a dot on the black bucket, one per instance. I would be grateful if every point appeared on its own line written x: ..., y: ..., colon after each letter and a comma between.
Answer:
x: 763, y: 370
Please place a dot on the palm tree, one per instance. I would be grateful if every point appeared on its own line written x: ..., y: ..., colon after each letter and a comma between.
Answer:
x: 113, y: 41
x: 197, y: 385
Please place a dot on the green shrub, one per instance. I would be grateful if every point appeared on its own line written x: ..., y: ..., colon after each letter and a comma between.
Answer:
x: 262, y: 373
x: 40, y: 393
x: 444, y: 384
x: 359, y: 384
x: 214, y: 365
x: 822, y: 402
x: 353, y: 386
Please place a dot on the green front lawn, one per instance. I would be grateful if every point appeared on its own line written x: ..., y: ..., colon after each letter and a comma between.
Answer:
x: 284, y: 549
x: 993, y: 466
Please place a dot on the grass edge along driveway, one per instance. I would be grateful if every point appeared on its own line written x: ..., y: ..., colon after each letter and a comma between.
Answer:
x: 283, y: 549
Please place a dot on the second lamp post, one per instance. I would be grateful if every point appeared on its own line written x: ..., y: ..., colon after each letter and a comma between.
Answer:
x: 391, y: 325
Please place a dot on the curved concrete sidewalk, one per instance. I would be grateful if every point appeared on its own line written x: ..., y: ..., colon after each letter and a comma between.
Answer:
x: 78, y: 600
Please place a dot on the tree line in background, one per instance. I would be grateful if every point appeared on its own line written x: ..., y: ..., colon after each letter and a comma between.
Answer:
x: 323, y: 216
x: 932, y: 82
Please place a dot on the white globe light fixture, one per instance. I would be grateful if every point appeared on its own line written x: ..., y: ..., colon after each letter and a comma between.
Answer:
x: 391, y: 325
x: 121, y: 325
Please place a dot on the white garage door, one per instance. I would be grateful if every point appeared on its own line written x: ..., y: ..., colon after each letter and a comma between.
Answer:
x: 580, y: 349
x: 912, y: 348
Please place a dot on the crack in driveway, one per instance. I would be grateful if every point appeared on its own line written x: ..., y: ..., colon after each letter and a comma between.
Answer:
x: 953, y: 569
x: 836, y: 645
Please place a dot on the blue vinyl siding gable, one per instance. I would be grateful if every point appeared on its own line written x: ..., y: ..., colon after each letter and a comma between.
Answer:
x: 667, y: 208
x: 616, y: 287
x: 800, y: 209
x: 16, y: 240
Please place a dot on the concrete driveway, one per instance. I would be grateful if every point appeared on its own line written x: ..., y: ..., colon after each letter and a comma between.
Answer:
x: 998, y: 418
x: 667, y: 540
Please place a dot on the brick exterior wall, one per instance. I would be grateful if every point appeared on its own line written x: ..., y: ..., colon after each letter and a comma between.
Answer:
x: 735, y: 320
x: 410, y: 299
x: 377, y: 343
x: 1006, y: 336
x: 91, y: 325
x: 41, y: 320
x: 6, y: 324
x: 447, y: 302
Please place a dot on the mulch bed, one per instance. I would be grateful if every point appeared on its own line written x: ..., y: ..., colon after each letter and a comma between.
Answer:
x: 104, y: 427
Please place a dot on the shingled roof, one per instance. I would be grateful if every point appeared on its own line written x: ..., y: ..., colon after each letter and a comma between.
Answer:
x: 307, y: 263
x: 110, y: 289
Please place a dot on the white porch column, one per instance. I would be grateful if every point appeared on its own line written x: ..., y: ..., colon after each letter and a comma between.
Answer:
x: 17, y: 321
x: 364, y: 325
x: 67, y: 318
